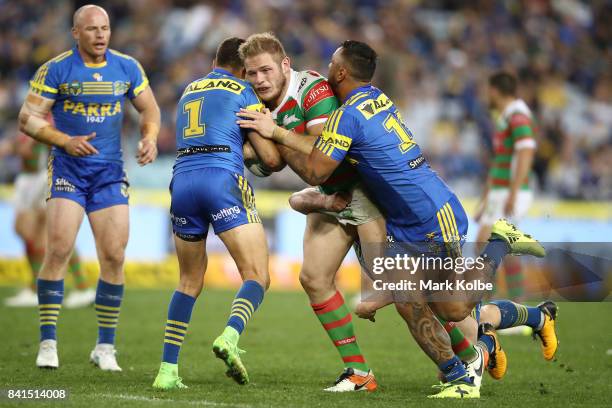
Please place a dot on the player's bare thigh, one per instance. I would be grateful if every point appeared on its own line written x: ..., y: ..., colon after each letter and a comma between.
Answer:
x: 326, y: 243
x: 110, y: 227
x: 248, y: 247
x: 193, y: 261
x: 64, y: 218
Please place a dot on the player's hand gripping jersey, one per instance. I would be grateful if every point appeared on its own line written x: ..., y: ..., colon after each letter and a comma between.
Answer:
x: 310, y: 101
x: 368, y: 130
x: 208, y: 184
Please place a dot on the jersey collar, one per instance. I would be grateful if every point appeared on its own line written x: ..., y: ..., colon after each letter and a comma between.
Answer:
x: 292, y: 83
x: 75, y: 50
x: 223, y: 71
x: 364, y: 88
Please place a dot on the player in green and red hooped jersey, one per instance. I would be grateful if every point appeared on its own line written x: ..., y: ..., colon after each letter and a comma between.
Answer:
x: 302, y: 102
x: 30, y: 218
x: 507, y: 193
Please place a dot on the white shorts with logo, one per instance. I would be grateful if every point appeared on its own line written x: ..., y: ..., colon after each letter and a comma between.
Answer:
x: 496, y: 200
x: 360, y: 210
x: 30, y: 191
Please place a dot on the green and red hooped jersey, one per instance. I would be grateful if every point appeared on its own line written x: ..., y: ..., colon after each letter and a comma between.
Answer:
x: 310, y: 101
x: 514, y: 130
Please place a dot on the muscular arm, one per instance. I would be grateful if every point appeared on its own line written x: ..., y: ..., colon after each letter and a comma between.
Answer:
x: 32, y: 122
x: 150, y: 120
x: 266, y: 151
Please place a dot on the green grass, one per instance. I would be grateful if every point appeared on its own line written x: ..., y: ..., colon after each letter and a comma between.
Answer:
x: 290, y: 359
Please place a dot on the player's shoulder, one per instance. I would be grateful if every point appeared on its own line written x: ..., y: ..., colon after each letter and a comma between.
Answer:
x: 518, y: 112
x: 124, y: 59
x: 310, y: 88
x: 59, y: 61
x: 307, y: 82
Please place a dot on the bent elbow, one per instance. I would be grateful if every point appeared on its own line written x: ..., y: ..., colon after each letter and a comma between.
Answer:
x: 274, y: 163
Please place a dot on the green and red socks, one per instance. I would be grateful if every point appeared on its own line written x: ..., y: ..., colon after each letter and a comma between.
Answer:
x: 74, y: 267
x: 179, y: 315
x: 462, y: 347
x: 337, y: 320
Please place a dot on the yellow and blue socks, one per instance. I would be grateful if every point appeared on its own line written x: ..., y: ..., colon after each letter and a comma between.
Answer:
x: 50, y: 296
x: 514, y: 314
x: 179, y: 315
x: 108, y: 304
x: 246, y: 302
x: 454, y: 371
x: 495, y: 251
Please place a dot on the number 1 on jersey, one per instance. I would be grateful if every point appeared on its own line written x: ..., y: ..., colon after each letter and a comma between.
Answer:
x: 194, y: 127
x: 393, y: 125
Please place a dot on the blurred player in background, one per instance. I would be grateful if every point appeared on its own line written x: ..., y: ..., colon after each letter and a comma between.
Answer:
x: 507, y: 192
x: 85, y: 89
x: 29, y: 200
x: 208, y: 187
x: 302, y: 101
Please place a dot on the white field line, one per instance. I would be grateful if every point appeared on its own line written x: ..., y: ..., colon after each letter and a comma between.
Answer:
x: 207, y: 403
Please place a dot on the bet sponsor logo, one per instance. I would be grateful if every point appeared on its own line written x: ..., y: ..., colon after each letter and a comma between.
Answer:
x: 226, y: 214
x: 180, y: 221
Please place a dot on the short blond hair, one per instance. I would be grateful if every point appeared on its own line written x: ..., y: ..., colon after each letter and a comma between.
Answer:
x: 260, y: 43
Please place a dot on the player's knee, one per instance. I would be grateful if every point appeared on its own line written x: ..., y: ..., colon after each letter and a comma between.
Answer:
x: 58, y: 252
x: 113, y: 257
x: 452, y: 312
x: 257, y: 274
x: 314, y: 282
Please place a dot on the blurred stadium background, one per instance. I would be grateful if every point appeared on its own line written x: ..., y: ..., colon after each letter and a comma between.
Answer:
x: 435, y: 57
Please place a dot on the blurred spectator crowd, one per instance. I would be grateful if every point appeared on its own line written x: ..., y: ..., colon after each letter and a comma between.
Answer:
x: 435, y: 57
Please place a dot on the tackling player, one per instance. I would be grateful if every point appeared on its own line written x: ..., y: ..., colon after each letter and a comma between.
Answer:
x: 208, y: 187
x: 414, y: 198
x: 85, y: 88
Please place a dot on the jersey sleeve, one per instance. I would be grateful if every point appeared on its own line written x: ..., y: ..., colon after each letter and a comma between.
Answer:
x: 251, y: 100
x: 319, y: 102
x: 338, y: 135
x: 46, y: 81
x: 138, y: 78
x: 521, y: 132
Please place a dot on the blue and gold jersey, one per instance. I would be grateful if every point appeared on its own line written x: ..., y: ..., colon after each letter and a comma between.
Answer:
x: 89, y: 97
x: 368, y: 130
x: 206, y: 131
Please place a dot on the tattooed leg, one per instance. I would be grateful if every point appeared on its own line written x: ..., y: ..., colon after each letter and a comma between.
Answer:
x: 427, y: 331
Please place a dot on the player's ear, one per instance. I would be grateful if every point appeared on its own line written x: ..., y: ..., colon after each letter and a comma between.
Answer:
x: 341, y: 74
x: 286, y: 64
x: 214, y: 63
x: 75, y: 33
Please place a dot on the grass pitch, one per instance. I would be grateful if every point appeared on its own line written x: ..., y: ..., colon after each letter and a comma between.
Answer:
x: 290, y: 359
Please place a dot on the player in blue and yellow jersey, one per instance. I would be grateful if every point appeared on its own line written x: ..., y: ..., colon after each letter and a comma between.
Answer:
x: 85, y: 89
x: 418, y: 206
x: 209, y: 188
